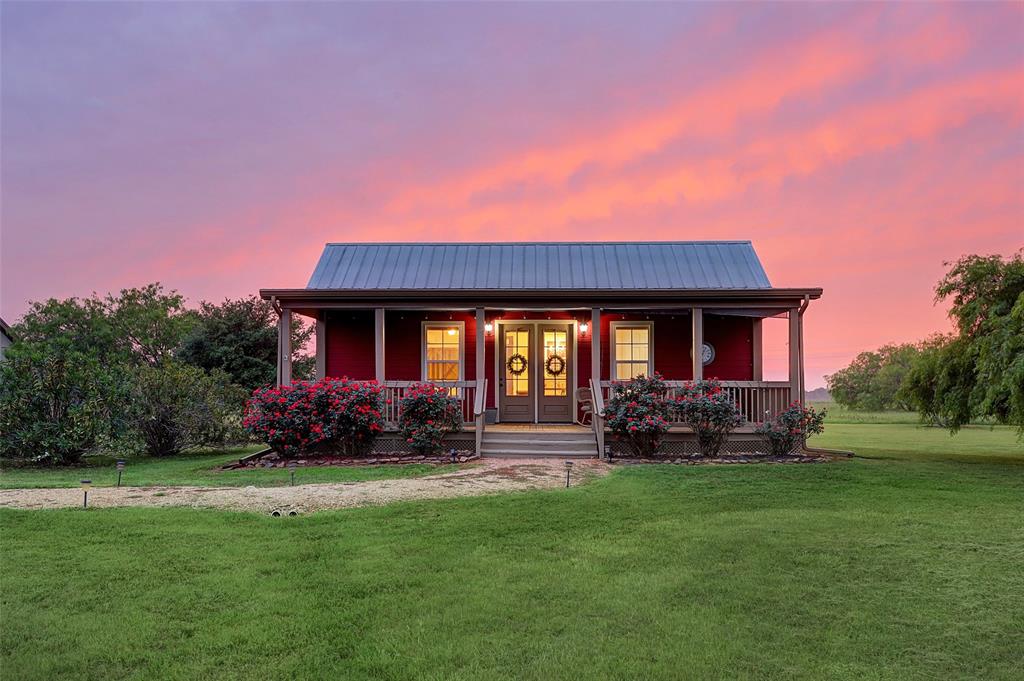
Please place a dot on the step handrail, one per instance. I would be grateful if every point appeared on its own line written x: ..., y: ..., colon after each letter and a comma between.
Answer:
x: 597, y: 417
x: 479, y: 407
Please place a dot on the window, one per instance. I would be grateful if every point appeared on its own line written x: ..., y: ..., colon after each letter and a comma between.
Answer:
x: 631, y: 350
x: 556, y: 371
x: 442, y: 351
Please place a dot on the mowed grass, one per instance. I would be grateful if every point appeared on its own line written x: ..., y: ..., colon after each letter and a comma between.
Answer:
x: 891, y: 567
x: 202, y: 470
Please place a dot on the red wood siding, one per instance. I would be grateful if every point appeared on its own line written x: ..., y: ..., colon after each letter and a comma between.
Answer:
x: 350, y: 351
x: 350, y: 345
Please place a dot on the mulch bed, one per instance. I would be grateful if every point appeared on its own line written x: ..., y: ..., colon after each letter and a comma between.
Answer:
x: 698, y: 460
x: 274, y: 460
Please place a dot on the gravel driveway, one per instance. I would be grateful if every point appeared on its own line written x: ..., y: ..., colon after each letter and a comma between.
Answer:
x: 489, y: 477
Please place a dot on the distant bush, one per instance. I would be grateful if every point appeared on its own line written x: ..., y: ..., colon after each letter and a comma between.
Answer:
x: 429, y: 412
x: 710, y: 412
x: 637, y: 413
x: 788, y: 430
x: 298, y: 418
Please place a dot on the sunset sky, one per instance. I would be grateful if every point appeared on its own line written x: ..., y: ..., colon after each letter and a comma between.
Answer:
x: 216, y: 147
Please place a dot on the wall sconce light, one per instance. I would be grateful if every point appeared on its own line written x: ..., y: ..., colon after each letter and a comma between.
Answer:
x: 584, y: 327
x: 488, y: 327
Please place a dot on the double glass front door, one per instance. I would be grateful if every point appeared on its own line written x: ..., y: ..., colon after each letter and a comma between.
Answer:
x: 536, y: 372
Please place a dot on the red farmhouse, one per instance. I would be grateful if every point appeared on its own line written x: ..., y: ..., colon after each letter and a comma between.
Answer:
x: 536, y: 332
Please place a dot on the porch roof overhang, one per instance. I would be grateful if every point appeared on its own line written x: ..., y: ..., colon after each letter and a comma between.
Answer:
x: 308, y: 301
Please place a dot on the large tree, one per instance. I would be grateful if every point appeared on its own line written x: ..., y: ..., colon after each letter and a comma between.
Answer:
x: 239, y: 337
x: 978, y: 372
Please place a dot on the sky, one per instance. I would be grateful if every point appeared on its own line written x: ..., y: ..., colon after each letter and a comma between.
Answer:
x: 215, y: 147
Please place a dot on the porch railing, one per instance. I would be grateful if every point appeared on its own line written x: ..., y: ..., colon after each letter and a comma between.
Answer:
x: 757, y: 400
x: 465, y: 391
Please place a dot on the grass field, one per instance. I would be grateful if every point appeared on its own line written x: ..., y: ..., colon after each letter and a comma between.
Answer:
x: 905, y: 564
x: 201, y: 470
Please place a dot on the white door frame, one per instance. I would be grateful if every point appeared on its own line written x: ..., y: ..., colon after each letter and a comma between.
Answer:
x: 535, y: 374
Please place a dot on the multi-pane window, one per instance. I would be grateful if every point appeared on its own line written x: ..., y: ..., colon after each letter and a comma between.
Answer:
x: 442, y: 356
x: 517, y: 362
x: 631, y: 349
x: 556, y: 369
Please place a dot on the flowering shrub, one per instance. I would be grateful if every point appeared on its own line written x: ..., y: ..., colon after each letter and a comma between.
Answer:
x: 788, y: 429
x: 637, y: 413
x: 710, y: 412
x: 298, y: 418
x: 429, y: 412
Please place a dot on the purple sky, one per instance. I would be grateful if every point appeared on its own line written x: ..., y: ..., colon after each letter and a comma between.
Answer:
x: 215, y: 147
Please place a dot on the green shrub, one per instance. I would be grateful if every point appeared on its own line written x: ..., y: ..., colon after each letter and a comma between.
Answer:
x: 301, y: 417
x: 637, y: 413
x: 55, y: 402
x: 429, y: 412
x: 710, y: 412
x: 175, y: 406
x: 788, y: 430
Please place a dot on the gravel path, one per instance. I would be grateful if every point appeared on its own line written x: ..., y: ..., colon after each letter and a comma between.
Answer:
x: 489, y: 477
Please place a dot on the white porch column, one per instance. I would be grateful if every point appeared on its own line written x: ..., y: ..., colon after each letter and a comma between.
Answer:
x: 698, y: 343
x: 378, y: 343
x: 321, y: 346
x: 595, y: 346
x: 795, y: 389
x: 284, y: 348
x: 757, y: 349
x: 480, y: 348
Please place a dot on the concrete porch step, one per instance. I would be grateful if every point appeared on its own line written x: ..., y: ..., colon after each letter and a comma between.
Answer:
x: 539, y: 443
x: 535, y: 454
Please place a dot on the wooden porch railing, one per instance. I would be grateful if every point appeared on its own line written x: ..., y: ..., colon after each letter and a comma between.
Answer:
x: 465, y: 391
x: 756, y: 400
x: 479, y: 407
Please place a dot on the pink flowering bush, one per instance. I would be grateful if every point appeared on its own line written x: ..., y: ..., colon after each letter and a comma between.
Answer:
x: 429, y: 412
x: 298, y: 418
x: 637, y: 413
x: 790, y: 428
x: 710, y: 412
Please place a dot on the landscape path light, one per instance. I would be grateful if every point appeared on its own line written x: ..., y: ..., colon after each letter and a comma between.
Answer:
x: 568, y: 469
x: 291, y: 470
x: 120, y: 468
x: 86, y: 484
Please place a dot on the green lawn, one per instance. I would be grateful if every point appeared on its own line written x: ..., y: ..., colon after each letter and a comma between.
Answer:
x: 202, y: 470
x: 904, y: 565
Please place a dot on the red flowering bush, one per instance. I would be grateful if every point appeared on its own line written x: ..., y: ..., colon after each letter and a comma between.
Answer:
x: 637, y: 413
x: 710, y: 412
x: 429, y: 412
x: 303, y: 416
x: 790, y: 428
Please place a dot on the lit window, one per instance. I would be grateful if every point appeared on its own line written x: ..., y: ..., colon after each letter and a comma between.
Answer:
x: 443, y: 353
x: 631, y: 351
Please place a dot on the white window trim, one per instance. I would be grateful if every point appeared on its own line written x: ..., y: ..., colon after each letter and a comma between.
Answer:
x: 630, y: 325
x: 431, y: 324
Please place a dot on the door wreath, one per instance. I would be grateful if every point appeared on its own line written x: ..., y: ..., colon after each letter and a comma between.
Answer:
x: 516, y: 364
x: 555, y: 365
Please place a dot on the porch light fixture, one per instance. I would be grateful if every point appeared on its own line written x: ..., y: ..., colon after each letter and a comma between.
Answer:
x: 291, y: 470
x: 86, y: 484
x: 488, y: 327
x: 120, y: 468
x: 568, y: 469
x: 584, y: 327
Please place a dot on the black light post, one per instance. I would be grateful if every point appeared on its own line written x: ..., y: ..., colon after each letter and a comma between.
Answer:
x: 291, y: 470
x: 86, y: 484
x: 568, y: 469
x: 120, y: 468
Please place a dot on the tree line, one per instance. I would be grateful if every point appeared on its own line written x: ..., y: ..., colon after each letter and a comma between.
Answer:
x: 975, y: 372
x: 135, y: 373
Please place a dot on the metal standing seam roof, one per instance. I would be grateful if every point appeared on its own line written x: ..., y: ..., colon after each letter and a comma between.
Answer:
x: 498, y: 266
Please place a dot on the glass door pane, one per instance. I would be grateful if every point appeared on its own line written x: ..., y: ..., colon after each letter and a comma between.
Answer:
x: 517, y: 362
x: 556, y: 363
